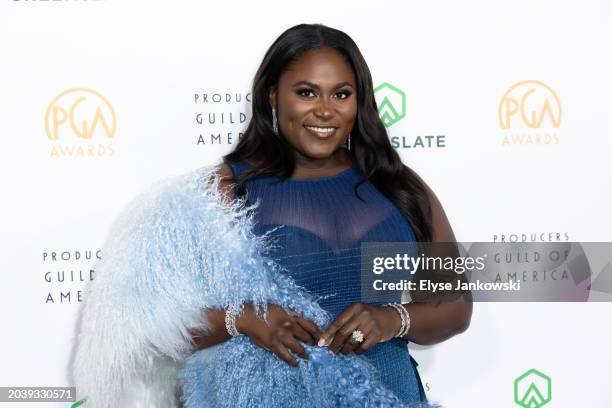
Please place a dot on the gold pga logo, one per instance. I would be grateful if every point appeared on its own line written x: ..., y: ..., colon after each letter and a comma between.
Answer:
x: 80, y: 122
x: 530, y: 113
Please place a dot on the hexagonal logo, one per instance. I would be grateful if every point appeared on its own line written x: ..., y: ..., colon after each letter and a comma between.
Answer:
x: 391, y: 103
x: 532, y: 389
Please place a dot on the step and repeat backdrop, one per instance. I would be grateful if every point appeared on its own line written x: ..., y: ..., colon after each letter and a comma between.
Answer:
x: 502, y: 107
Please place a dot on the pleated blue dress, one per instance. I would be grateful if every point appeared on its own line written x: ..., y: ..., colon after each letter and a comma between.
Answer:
x: 322, y: 226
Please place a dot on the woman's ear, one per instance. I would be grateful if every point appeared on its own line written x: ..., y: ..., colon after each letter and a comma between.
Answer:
x: 272, y: 96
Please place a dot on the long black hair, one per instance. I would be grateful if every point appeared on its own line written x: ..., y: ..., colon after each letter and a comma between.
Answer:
x: 370, y: 149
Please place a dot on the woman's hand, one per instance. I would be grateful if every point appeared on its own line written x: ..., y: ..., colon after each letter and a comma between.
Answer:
x: 378, y: 324
x: 281, y: 335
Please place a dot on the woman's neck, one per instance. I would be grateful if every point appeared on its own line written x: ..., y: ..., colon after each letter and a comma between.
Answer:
x: 306, y: 167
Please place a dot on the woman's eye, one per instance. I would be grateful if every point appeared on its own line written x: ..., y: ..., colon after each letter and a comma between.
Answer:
x: 343, y: 94
x: 306, y: 92
x: 310, y: 93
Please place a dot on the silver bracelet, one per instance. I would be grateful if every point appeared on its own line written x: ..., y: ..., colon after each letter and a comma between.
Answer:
x: 396, y: 307
x: 407, y: 316
x: 404, y: 316
x: 230, y: 320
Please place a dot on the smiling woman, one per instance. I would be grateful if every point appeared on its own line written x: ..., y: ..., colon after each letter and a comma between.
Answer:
x: 244, y: 282
x: 318, y: 160
x: 316, y: 104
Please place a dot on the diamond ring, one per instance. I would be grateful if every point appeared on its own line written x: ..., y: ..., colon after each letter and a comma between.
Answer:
x: 357, y: 336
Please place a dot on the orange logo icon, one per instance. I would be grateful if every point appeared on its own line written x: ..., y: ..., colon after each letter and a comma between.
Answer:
x: 531, y: 104
x: 80, y: 112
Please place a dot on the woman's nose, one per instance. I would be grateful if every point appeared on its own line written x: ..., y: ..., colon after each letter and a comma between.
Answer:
x: 323, y: 110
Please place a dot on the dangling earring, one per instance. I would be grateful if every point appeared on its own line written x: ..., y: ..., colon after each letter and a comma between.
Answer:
x: 274, y: 121
x: 348, y: 142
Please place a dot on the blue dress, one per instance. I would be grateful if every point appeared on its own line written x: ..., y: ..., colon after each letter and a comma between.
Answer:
x: 323, y: 225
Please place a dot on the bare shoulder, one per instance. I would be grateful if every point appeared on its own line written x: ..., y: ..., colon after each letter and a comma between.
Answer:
x: 442, y: 231
x: 226, y: 181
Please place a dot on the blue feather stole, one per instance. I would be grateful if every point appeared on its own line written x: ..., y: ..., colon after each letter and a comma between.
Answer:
x: 177, y: 249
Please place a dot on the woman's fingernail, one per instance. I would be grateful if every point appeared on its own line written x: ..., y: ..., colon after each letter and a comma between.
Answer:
x: 321, y: 342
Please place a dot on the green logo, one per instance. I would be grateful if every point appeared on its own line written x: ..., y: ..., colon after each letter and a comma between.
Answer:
x: 78, y: 403
x: 532, y: 389
x: 392, y: 105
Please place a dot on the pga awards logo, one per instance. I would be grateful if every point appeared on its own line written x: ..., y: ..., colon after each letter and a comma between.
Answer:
x: 530, y: 113
x: 80, y: 122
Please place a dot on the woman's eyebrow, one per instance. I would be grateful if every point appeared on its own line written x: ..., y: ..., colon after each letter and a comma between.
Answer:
x: 315, y: 86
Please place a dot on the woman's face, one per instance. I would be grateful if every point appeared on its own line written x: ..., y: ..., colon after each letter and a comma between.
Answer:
x: 316, y: 103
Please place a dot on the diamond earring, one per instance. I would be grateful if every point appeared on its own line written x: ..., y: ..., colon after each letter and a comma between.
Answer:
x: 274, y: 121
x: 348, y: 142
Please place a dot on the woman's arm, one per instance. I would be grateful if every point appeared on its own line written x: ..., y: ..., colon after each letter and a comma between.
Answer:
x: 433, y: 322
x: 215, y: 333
x: 280, y: 334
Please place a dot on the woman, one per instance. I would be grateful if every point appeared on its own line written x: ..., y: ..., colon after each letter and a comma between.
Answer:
x: 204, y: 275
x: 315, y: 127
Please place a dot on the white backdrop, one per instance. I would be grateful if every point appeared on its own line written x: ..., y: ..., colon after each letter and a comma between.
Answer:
x: 145, y: 66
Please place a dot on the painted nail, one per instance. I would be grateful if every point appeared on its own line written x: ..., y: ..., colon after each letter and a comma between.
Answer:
x: 321, y: 342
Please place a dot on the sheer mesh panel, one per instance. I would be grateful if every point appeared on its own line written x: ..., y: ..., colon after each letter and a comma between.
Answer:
x: 318, y: 226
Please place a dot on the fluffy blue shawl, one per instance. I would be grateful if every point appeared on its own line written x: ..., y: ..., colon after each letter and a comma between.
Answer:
x: 175, y: 250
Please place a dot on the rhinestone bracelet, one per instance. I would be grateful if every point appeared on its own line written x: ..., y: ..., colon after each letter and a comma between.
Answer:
x: 230, y: 320
x: 407, y: 316
x: 404, y: 316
